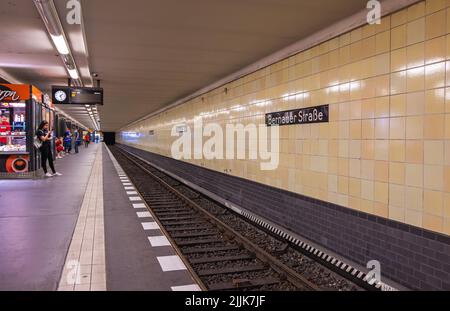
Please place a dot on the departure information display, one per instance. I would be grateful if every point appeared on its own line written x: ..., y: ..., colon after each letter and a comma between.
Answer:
x: 77, y: 95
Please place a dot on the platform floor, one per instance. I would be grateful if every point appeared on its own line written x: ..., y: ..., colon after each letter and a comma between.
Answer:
x: 86, y: 230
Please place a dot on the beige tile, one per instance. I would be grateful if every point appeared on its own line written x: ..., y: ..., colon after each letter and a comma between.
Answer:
x: 414, y: 175
x: 434, y: 152
x: 434, y: 177
x: 416, y: 31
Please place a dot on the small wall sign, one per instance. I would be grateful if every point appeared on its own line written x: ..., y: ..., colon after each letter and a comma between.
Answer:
x: 317, y: 114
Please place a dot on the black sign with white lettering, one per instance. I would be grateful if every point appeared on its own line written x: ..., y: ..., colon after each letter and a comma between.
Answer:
x: 318, y: 114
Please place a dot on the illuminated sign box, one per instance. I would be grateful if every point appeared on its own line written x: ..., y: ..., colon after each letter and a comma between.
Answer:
x: 65, y: 95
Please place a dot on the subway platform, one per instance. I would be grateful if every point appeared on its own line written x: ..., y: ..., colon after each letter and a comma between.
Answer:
x: 87, y: 230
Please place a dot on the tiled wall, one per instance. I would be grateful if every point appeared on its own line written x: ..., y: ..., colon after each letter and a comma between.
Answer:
x: 386, y: 149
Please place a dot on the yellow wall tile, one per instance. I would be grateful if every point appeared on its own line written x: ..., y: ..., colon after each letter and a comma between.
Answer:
x: 381, y: 192
x: 416, y: 11
x: 447, y: 178
x: 368, y: 129
x: 414, y: 127
x: 434, y: 5
x: 354, y: 186
x: 396, y: 196
x: 355, y: 168
x: 399, y: 18
x: 435, y: 75
x: 381, y: 150
x: 397, y: 214
x: 436, y: 24
x: 396, y: 173
x: 382, y: 128
x: 434, y: 177
x: 414, y: 199
x: 415, y: 79
x: 398, y: 82
x: 368, y: 169
x: 398, y: 37
x: 399, y: 59
x: 413, y: 218
x: 397, y: 150
x: 435, y: 50
x: 381, y: 209
x: 432, y: 222
x: 414, y: 175
x: 414, y: 151
x: 397, y: 128
x: 383, y: 42
x: 343, y: 185
x: 398, y: 105
x: 382, y: 107
x: 434, y: 152
x: 415, y: 55
x: 367, y: 190
x: 367, y: 149
x: 434, y: 126
x: 381, y: 171
x: 415, y: 103
x: 433, y: 202
x: 435, y: 101
x: 368, y: 108
x: 416, y: 31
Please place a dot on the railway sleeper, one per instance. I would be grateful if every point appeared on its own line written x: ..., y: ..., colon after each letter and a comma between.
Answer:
x: 182, y: 223
x: 232, y: 270
x: 181, y: 218
x: 243, y: 283
x: 221, y: 259
x: 201, y: 250
x: 198, y: 242
x: 193, y: 234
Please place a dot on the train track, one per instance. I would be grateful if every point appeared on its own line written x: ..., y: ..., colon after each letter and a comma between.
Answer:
x: 222, y: 250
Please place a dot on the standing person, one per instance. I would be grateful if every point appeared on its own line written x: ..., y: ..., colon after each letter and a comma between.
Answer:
x: 68, y: 141
x: 45, y: 137
x: 77, y: 139
x: 87, y: 140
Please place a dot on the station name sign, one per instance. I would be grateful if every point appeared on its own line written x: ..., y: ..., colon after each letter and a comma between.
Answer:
x: 318, y: 114
x: 77, y: 95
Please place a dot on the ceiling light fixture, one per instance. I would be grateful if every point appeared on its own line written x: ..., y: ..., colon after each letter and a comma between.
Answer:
x: 61, y: 44
x: 52, y: 22
x: 73, y: 74
x: 49, y: 15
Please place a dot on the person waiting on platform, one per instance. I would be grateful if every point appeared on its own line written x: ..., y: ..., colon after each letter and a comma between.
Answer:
x: 87, y: 140
x: 68, y: 141
x: 45, y: 136
x: 77, y: 139
x: 59, y: 148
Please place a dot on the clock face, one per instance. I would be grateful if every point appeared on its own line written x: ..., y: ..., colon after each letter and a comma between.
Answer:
x: 60, y: 96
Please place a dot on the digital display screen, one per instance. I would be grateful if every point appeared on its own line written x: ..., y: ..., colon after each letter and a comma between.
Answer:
x: 77, y: 95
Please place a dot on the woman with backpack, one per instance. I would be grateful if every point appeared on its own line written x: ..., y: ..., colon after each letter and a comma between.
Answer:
x: 45, y: 137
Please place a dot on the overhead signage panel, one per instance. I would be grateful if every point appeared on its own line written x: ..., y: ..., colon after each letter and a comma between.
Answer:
x: 65, y: 95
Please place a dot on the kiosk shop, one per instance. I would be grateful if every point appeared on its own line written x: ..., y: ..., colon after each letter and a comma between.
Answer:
x: 22, y: 108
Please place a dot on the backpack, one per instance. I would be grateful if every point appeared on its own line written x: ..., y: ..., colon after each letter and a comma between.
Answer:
x: 37, y: 142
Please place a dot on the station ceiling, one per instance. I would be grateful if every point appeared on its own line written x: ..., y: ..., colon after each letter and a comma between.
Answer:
x: 149, y: 53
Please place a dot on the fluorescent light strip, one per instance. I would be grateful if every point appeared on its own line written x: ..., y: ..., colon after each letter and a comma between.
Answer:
x: 73, y: 74
x: 61, y: 44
